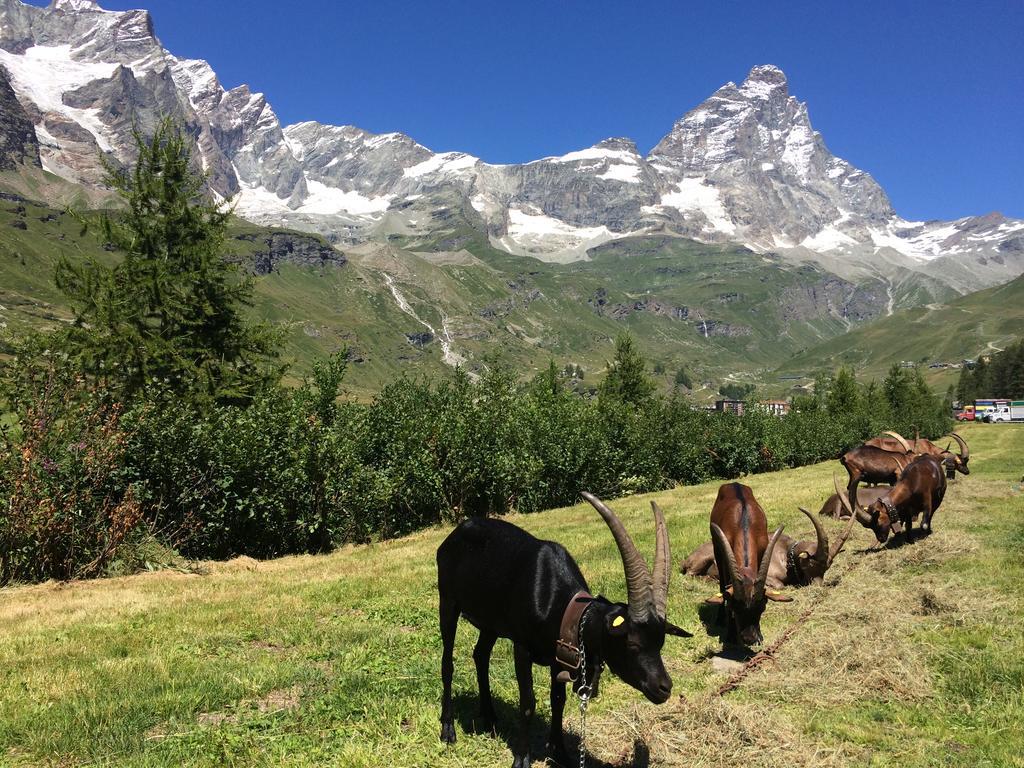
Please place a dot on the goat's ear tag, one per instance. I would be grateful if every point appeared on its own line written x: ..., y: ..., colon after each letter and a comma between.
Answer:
x: 804, y: 555
x: 617, y: 623
x: 777, y: 597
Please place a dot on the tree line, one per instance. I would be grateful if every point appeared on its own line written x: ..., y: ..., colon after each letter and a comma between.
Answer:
x: 999, y: 375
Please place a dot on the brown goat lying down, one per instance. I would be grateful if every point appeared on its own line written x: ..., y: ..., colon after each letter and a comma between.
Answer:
x: 793, y: 563
x: 835, y: 507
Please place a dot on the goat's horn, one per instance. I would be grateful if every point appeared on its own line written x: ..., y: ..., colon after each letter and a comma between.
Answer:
x: 662, y: 561
x: 899, y: 438
x: 822, y: 551
x: 730, y: 558
x: 965, y: 452
x: 842, y: 540
x: 762, y: 571
x: 854, y: 505
x: 638, y: 578
x: 843, y: 498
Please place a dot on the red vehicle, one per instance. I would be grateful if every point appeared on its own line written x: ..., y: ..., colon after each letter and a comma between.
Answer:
x: 966, y: 413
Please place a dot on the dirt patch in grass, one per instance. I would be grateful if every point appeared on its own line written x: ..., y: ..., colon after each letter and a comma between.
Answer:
x: 278, y: 700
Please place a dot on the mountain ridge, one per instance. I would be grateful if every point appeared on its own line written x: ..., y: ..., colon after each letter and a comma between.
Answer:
x: 744, y: 166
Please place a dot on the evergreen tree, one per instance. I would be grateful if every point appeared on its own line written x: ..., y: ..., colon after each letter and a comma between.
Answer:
x: 171, y: 314
x: 626, y: 379
x: 843, y: 395
x: 683, y: 379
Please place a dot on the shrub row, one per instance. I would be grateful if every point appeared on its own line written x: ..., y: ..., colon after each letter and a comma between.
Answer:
x: 299, y: 471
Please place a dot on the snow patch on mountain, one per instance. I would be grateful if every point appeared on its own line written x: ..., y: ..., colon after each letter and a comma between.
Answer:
x: 44, y: 73
x: 535, y: 234
x: 448, y: 162
x: 696, y: 196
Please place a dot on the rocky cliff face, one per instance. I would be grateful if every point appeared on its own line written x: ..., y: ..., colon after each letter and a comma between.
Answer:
x: 745, y: 166
x: 18, y: 143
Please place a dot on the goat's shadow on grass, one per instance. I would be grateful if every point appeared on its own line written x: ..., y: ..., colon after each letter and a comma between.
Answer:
x: 896, y: 541
x: 711, y: 617
x: 467, y: 712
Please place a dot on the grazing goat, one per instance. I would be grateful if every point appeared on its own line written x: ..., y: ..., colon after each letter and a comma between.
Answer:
x: 793, y: 563
x: 893, y: 442
x: 918, y: 492
x: 871, y: 464
x: 509, y: 584
x: 743, y: 554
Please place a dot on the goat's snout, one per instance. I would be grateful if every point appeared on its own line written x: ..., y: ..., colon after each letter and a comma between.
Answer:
x: 659, y: 691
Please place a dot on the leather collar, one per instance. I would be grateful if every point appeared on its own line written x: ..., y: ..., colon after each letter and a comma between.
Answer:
x: 792, y: 565
x: 567, y: 649
x: 889, y: 507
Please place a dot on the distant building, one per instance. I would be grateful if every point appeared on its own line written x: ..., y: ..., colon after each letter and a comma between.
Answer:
x: 775, y: 407
x: 731, y: 406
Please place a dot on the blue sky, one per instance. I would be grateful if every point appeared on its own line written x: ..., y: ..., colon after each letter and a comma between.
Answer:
x: 926, y: 96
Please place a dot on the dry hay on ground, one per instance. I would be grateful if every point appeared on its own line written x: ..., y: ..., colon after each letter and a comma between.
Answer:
x: 707, y: 731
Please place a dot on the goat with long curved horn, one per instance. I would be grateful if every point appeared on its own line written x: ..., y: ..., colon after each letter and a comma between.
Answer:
x: 662, y: 562
x: 960, y: 462
x: 743, y: 553
x: 901, y: 440
x: 731, y: 571
x: 766, y: 558
x: 639, y: 592
x: 821, y: 553
x: 849, y: 503
x: 532, y: 592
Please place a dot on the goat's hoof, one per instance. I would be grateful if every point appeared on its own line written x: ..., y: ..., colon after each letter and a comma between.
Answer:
x: 521, y: 761
x: 487, y: 725
x: 448, y: 733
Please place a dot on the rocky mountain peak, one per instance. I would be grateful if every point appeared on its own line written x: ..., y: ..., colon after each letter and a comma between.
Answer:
x: 74, y: 6
x: 618, y: 144
x: 743, y: 166
x: 766, y: 75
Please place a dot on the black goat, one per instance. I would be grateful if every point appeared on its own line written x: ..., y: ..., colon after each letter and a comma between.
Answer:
x: 509, y: 584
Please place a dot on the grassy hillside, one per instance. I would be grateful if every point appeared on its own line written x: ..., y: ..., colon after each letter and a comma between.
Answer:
x: 720, y: 311
x: 908, y: 656
x: 962, y: 329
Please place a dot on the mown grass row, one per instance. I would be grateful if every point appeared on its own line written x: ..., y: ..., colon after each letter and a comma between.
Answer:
x: 914, y: 656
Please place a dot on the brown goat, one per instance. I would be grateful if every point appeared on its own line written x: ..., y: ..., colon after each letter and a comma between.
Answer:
x: 894, y: 443
x: 835, y: 506
x: 743, y: 554
x: 918, y: 492
x: 872, y: 464
x: 793, y: 563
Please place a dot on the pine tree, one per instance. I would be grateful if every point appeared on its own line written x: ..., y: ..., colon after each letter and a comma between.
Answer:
x: 843, y: 395
x: 626, y: 379
x: 170, y: 316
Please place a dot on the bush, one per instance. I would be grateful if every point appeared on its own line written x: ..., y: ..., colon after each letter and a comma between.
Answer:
x: 300, y: 471
x: 69, y: 511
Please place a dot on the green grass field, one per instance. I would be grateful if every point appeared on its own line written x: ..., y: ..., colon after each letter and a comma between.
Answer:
x: 909, y: 656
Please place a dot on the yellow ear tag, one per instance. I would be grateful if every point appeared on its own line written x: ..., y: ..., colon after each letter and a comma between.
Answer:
x: 617, y: 621
x: 804, y: 555
x: 774, y: 592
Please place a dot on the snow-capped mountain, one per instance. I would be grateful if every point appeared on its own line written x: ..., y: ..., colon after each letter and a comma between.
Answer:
x: 745, y: 166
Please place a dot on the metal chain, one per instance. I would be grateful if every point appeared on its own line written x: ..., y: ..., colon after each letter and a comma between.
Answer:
x: 584, y: 694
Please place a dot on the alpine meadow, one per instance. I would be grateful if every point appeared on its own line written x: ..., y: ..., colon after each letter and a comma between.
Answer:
x: 319, y: 447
